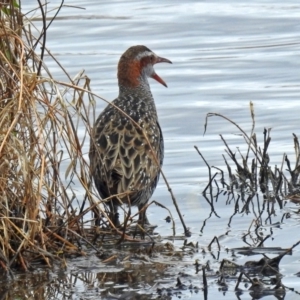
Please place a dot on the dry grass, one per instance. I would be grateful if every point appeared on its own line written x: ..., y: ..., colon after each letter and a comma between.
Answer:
x: 39, y: 121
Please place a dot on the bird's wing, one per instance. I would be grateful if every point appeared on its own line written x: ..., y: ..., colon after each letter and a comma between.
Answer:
x: 123, y: 156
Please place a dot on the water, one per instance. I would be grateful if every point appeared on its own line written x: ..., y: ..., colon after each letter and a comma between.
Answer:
x: 225, y: 54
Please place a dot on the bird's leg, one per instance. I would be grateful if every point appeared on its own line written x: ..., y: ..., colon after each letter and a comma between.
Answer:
x: 113, y: 213
x: 97, y: 216
x: 142, y: 215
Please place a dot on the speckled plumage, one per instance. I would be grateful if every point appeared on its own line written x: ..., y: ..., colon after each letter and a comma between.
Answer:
x: 120, y: 156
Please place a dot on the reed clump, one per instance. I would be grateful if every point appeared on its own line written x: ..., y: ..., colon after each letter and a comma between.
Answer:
x: 253, y: 172
x: 40, y: 215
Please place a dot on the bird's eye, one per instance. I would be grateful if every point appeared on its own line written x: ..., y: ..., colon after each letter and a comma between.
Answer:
x: 152, y: 58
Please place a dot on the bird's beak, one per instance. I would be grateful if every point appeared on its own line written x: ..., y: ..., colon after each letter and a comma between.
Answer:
x: 161, y: 59
x: 154, y: 75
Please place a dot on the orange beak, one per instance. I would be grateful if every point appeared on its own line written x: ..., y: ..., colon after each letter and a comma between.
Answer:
x: 154, y: 75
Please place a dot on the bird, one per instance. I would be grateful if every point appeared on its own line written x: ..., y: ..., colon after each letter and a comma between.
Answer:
x: 127, y: 146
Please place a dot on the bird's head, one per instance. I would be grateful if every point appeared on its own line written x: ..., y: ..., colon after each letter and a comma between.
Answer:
x: 136, y: 64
